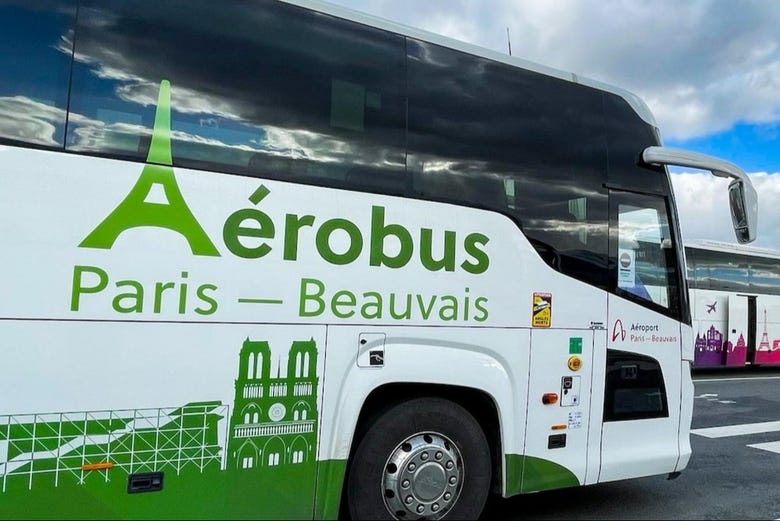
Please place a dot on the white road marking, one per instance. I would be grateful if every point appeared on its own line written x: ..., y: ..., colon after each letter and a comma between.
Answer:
x: 773, y: 446
x: 737, y: 430
x: 713, y: 398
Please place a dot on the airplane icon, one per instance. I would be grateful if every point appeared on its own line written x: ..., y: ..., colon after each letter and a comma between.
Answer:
x: 711, y: 307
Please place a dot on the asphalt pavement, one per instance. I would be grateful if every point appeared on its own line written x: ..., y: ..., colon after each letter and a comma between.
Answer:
x: 734, y: 472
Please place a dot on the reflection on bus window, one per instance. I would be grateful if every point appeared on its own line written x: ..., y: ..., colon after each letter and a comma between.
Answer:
x: 286, y: 93
x: 487, y: 134
x: 645, y: 268
x: 36, y: 45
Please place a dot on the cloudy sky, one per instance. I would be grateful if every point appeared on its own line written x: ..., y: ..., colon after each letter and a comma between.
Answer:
x: 708, y: 69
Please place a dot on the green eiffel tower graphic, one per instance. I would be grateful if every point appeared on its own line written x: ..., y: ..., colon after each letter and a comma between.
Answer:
x: 136, y: 211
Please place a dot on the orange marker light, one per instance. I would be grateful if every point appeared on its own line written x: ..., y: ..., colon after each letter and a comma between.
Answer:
x: 559, y: 427
x: 550, y: 398
x: 97, y: 466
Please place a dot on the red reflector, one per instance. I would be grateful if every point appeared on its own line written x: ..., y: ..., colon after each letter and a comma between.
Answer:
x: 550, y: 398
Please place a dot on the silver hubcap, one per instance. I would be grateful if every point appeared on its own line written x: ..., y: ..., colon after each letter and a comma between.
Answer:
x: 423, y: 477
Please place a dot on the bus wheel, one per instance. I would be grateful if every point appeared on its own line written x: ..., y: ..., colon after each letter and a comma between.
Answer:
x: 423, y: 458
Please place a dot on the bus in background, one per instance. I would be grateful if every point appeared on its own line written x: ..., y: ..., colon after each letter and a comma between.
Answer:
x: 735, y: 304
x: 284, y: 260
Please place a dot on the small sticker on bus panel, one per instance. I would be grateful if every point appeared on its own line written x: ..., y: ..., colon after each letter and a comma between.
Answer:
x: 376, y: 357
x: 542, y: 310
x: 626, y: 268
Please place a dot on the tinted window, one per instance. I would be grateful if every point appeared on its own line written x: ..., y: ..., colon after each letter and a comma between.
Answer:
x: 628, y: 135
x: 721, y: 271
x: 260, y: 88
x: 527, y: 145
x: 701, y: 269
x: 733, y: 272
x: 690, y: 262
x: 36, y: 46
x: 729, y: 272
x: 765, y: 275
x: 634, y: 388
x: 645, y: 257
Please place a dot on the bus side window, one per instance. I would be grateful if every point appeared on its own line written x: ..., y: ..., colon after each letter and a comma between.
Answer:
x: 36, y: 49
x: 289, y: 94
x: 373, y: 179
x: 481, y: 190
x: 645, y: 263
x: 551, y: 224
x: 273, y: 166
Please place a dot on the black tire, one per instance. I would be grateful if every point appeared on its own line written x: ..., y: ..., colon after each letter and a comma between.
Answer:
x: 444, y: 420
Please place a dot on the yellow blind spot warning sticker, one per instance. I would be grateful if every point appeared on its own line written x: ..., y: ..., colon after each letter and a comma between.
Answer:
x: 542, y: 310
x: 575, y: 363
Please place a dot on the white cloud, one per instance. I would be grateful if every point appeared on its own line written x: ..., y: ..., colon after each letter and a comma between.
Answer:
x: 30, y: 120
x: 703, y: 207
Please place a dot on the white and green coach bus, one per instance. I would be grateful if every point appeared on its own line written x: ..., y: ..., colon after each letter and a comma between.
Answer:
x: 270, y: 259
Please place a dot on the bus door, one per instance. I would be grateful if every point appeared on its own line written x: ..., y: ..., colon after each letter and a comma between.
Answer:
x: 641, y: 416
x: 738, y: 332
x: 559, y: 409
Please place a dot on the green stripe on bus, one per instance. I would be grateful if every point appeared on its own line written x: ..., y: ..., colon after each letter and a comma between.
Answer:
x: 529, y: 474
x: 330, y: 479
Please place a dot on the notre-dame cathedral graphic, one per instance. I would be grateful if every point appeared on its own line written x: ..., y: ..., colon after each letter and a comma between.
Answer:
x: 274, y: 419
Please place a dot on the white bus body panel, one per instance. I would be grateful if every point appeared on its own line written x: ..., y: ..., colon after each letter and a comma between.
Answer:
x: 493, y: 361
x: 166, y: 327
x: 650, y: 446
x: 709, y: 314
x: 736, y: 339
x: 686, y: 414
x: 550, y: 351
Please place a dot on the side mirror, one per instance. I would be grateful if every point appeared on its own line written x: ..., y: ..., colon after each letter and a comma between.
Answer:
x: 743, y: 201
x: 743, y: 198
